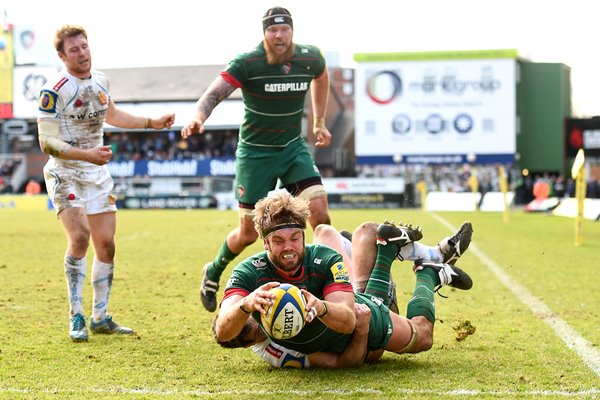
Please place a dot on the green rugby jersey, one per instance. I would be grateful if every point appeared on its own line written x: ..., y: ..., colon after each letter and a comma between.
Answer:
x: 273, y: 94
x: 322, y: 271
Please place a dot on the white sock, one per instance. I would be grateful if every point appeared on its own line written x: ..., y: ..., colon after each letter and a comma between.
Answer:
x: 75, y: 269
x: 417, y: 251
x: 102, y: 275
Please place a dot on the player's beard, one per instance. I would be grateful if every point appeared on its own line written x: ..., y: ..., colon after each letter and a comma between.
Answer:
x: 274, y: 58
x: 286, y: 266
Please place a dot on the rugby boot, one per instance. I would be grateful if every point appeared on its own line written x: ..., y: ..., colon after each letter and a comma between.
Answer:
x: 77, y: 329
x: 448, y: 275
x: 208, y: 290
x: 453, y: 247
x: 398, y: 235
x: 109, y: 327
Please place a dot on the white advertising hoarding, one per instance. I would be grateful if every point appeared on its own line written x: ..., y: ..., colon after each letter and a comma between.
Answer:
x: 28, y: 81
x: 35, y: 47
x: 435, y: 111
x: 364, y: 185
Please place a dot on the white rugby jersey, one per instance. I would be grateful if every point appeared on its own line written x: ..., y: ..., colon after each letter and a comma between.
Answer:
x: 80, y: 105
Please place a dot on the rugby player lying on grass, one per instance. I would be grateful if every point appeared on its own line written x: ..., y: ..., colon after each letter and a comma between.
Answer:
x: 280, y: 220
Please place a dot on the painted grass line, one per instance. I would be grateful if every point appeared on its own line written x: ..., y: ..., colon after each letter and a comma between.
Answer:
x: 572, y: 338
x: 216, y: 393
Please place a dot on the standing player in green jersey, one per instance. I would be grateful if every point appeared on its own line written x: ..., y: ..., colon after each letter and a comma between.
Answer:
x: 274, y: 78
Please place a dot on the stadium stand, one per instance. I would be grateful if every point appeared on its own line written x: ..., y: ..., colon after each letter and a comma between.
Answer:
x: 12, y: 172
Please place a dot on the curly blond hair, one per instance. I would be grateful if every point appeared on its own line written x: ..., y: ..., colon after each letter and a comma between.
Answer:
x: 280, y: 210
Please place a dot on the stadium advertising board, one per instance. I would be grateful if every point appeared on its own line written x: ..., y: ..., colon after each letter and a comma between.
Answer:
x: 445, y: 107
x: 34, y: 47
x: 28, y: 81
x: 24, y: 203
x: 6, y: 76
x: 224, y: 166
x: 583, y: 134
x: 365, y: 193
x: 167, y: 202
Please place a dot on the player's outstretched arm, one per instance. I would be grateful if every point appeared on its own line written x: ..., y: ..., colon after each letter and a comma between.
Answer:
x: 235, y: 310
x: 355, y: 353
x: 218, y: 91
x: 320, y: 98
x: 336, y: 310
x: 123, y: 119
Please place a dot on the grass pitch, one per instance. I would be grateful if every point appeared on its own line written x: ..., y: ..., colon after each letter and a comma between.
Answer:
x: 514, y: 352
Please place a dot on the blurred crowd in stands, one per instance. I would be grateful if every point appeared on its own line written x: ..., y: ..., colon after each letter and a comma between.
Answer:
x: 7, y: 168
x: 169, y: 145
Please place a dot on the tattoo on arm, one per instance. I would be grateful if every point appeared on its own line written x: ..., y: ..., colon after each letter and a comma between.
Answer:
x: 218, y: 91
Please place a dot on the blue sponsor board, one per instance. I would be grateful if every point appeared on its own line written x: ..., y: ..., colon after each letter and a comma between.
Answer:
x: 436, y: 159
x: 223, y: 166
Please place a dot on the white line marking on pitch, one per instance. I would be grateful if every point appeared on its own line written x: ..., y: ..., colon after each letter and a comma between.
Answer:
x: 572, y: 339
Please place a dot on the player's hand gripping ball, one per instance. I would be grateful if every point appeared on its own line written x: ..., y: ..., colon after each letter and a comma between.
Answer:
x: 285, y: 317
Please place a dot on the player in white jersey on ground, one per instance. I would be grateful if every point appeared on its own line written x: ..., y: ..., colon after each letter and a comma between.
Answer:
x: 72, y: 110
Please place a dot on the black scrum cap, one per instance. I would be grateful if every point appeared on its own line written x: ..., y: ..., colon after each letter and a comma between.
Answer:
x: 277, y: 16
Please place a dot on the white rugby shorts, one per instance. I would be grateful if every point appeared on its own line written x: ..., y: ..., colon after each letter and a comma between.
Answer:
x: 88, y: 188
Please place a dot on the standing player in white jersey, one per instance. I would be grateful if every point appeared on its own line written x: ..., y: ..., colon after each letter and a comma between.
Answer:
x: 72, y: 110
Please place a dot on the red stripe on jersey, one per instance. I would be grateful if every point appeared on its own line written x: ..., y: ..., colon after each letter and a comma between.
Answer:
x: 60, y: 83
x: 337, y: 287
x: 231, y: 292
x: 227, y: 77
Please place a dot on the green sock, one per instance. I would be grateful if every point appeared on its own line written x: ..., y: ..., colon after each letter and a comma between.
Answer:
x: 421, y: 303
x: 224, y: 257
x: 378, y: 284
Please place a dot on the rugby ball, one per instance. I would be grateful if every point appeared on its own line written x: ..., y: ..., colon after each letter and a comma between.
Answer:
x: 285, y: 317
